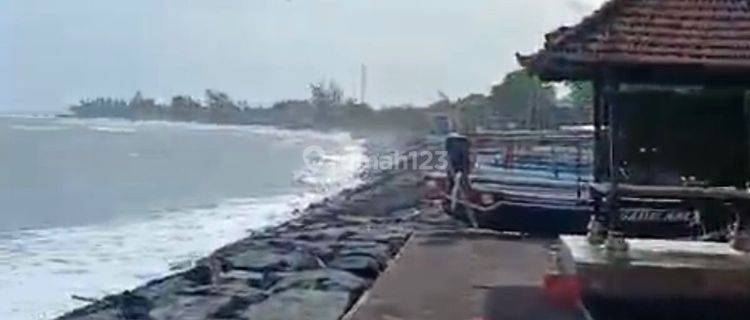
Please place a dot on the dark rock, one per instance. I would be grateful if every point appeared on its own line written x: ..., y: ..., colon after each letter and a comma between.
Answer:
x: 380, y: 252
x: 266, y: 261
x: 325, y: 234
x: 224, y: 300
x: 298, y: 304
x: 197, y: 291
x: 180, y: 265
x: 259, y: 280
x: 278, y: 245
x: 268, y: 280
x: 320, y: 249
x: 200, y: 275
x: 96, y: 311
x: 317, y: 225
x: 361, y: 265
x: 238, y: 305
x: 189, y: 307
x: 405, y: 214
x: 240, y: 275
x: 357, y: 219
x: 158, y: 289
x: 393, y: 237
x: 338, y: 208
x: 323, y: 279
x: 131, y: 306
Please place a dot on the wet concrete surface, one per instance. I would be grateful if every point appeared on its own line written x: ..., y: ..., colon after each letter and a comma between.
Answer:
x: 464, y: 275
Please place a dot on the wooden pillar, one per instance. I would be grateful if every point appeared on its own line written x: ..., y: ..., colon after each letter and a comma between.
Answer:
x: 596, y: 228
x: 741, y: 232
x: 613, y: 164
x: 597, y: 130
x: 615, y: 238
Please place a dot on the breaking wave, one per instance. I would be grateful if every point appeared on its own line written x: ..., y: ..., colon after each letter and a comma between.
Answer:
x: 41, y: 269
x: 277, y: 134
x: 112, y: 129
x: 24, y: 127
x: 26, y: 116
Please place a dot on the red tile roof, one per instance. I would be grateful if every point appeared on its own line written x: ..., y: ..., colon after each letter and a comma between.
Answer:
x: 704, y: 33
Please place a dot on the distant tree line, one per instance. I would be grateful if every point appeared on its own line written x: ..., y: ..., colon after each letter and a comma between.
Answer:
x: 326, y: 108
x: 520, y: 101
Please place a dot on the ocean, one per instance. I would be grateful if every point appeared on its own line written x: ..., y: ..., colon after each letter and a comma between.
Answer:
x: 90, y: 207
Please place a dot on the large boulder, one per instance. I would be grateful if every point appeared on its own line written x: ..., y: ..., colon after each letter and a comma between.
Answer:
x: 131, y: 306
x: 323, y: 279
x: 259, y: 280
x: 190, y: 307
x: 361, y: 265
x: 380, y: 252
x: 237, y: 306
x: 163, y: 288
x: 225, y: 301
x: 200, y: 275
x: 300, y: 304
x: 326, y: 233
x: 262, y: 260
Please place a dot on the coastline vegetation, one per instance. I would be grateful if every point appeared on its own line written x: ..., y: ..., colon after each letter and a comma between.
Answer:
x: 518, y: 102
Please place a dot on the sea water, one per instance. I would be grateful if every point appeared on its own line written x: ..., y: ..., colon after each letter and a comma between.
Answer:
x: 93, y: 207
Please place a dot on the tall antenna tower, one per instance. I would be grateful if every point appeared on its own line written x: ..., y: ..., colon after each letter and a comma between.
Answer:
x: 363, y: 84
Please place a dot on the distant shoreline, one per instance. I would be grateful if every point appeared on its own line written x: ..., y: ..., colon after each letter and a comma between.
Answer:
x: 275, y: 125
x: 325, y: 110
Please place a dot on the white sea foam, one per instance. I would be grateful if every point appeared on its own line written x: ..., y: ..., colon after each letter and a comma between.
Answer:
x: 24, y: 127
x: 26, y: 116
x: 112, y: 129
x: 278, y: 134
x: 41, y: 269
x: 94, y: 261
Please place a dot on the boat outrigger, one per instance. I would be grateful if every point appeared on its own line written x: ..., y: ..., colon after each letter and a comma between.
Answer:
x: 519, y: 181
x: 542, y: 182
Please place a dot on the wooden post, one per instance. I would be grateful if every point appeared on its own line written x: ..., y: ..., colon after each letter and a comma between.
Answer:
x: 596, y: 228
x: 615, y: 237
x: 741, y: 233
x: 579, y: 159
x: 597, y: 131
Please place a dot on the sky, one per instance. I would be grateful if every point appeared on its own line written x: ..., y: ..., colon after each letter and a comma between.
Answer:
x: 55, y: 52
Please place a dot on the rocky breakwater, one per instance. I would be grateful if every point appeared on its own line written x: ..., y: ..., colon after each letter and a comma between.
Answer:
x: 313, y: 267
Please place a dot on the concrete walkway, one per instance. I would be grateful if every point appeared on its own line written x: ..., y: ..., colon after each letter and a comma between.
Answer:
x: 463, y: 276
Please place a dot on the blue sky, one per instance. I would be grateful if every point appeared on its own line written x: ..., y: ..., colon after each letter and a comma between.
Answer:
x: 54, y: 52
